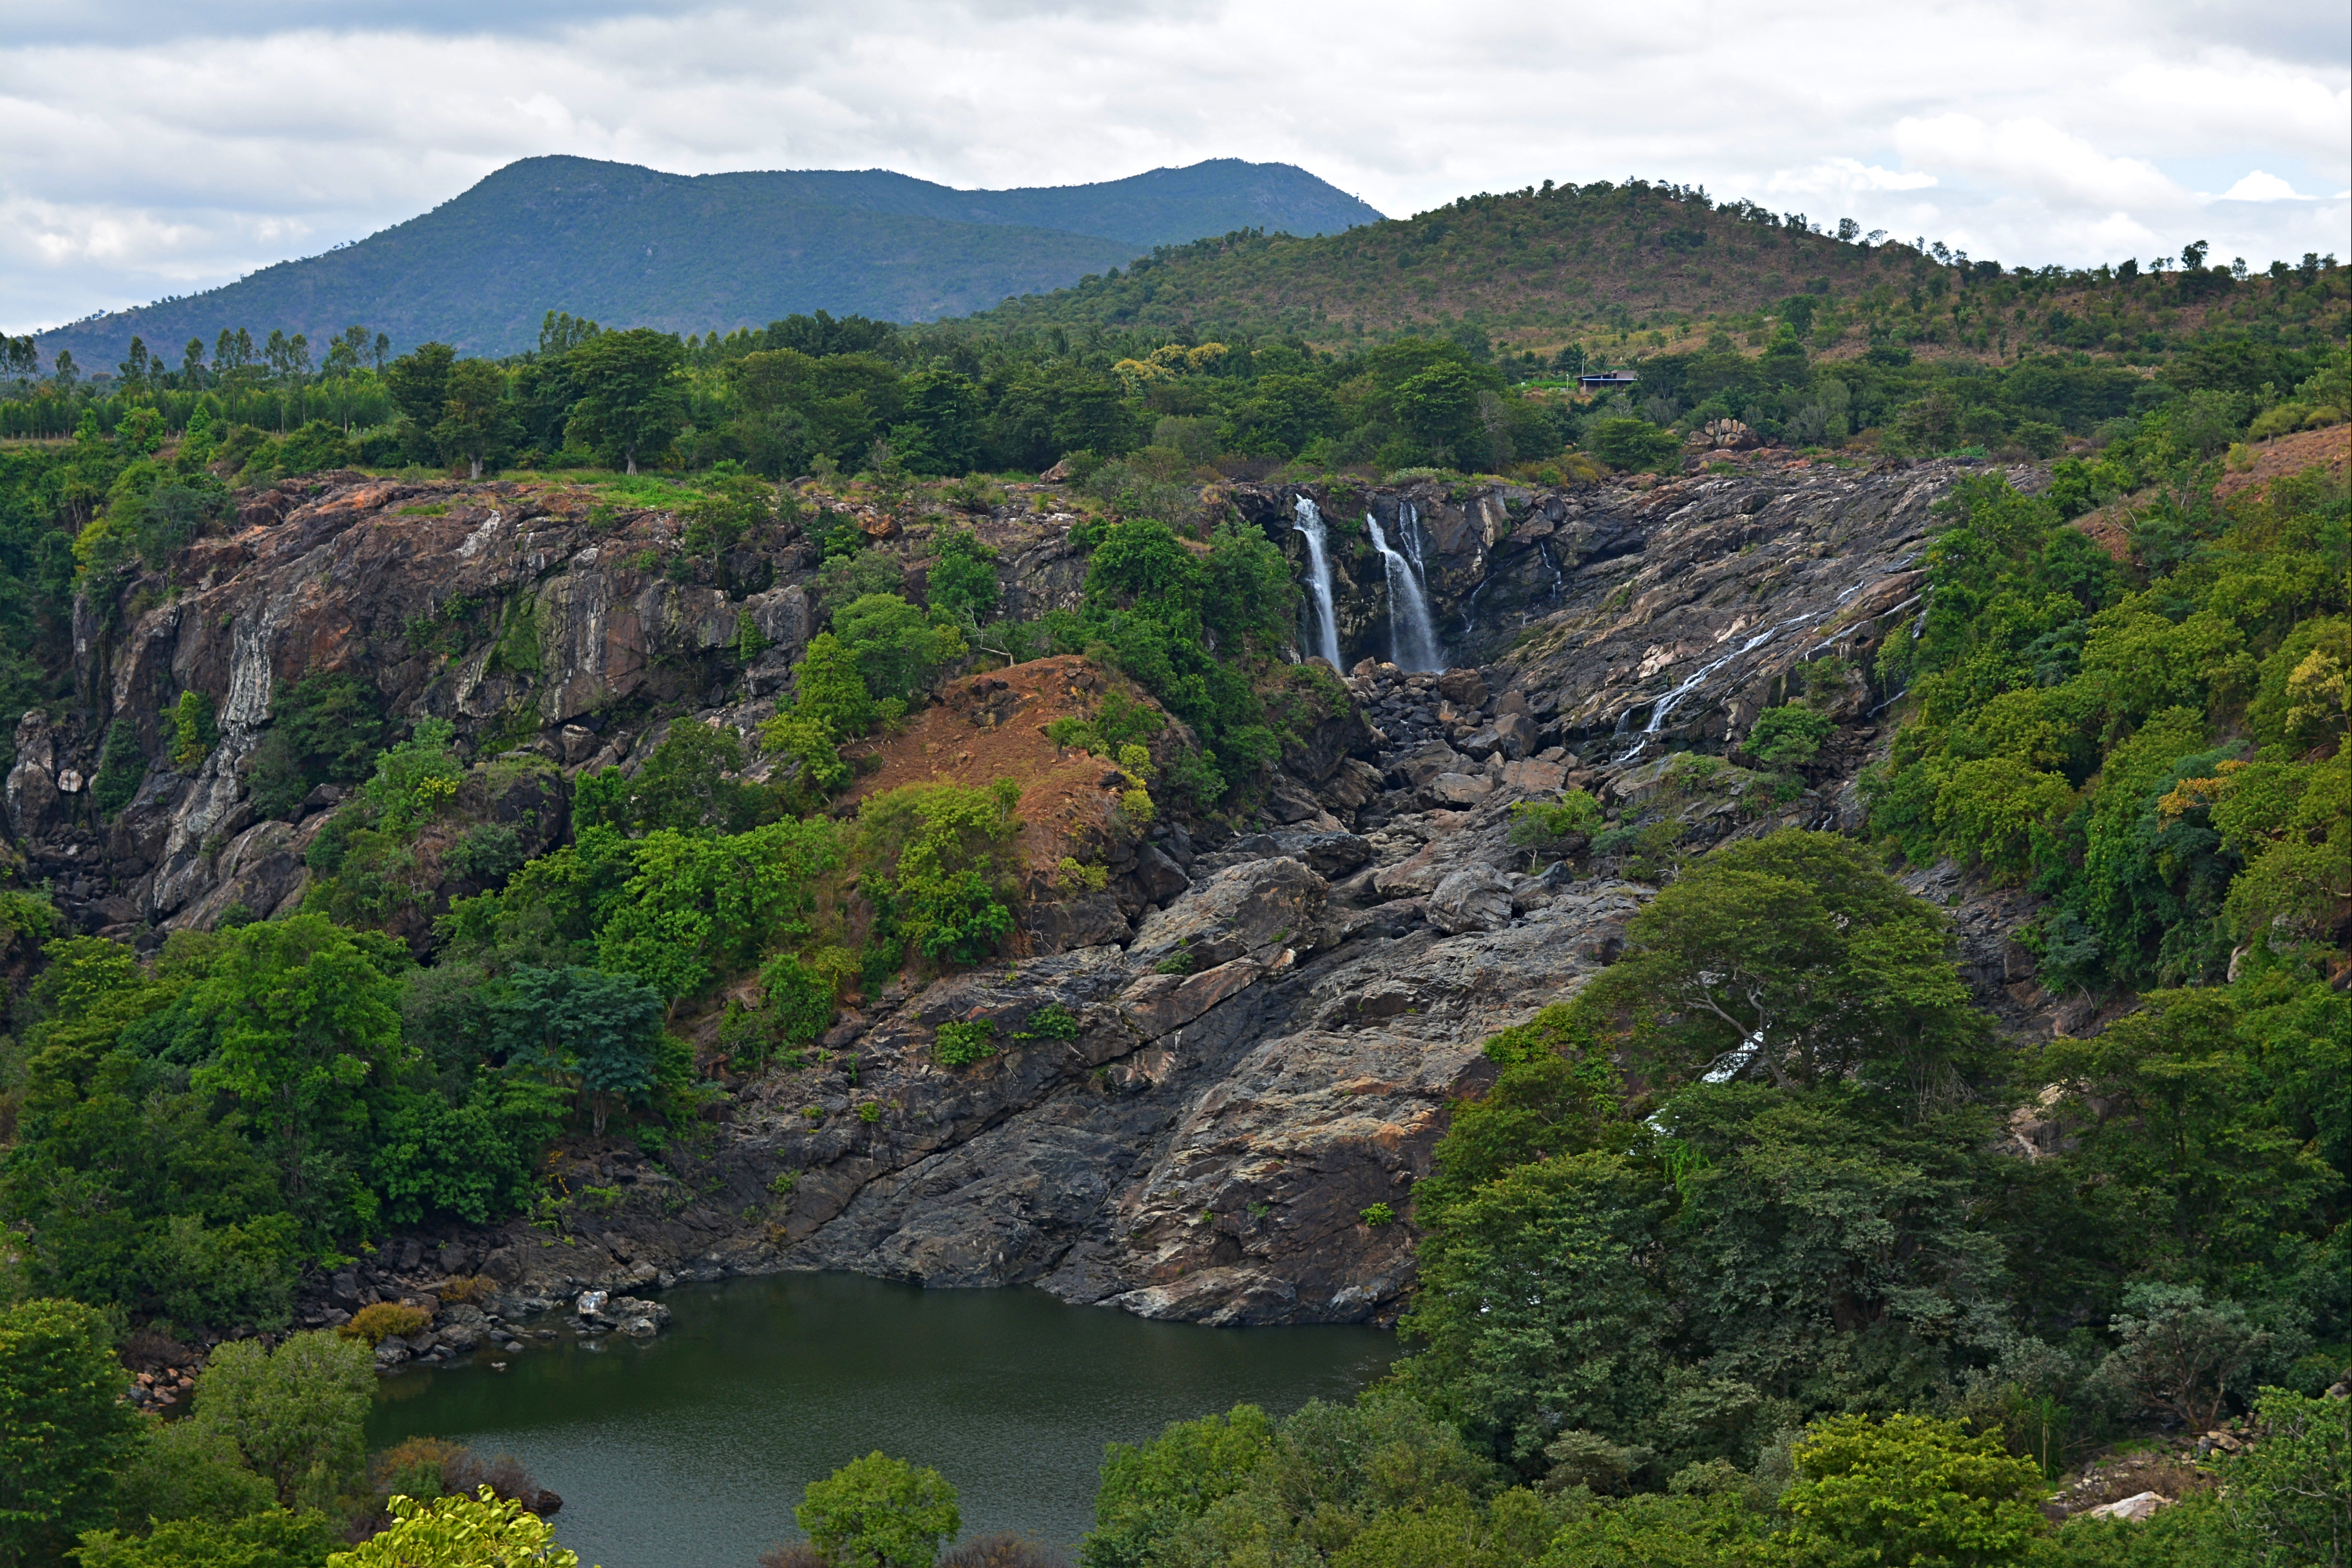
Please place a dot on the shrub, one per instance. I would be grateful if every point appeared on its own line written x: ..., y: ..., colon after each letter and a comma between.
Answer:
x: 121, y: 766
x: 489, y: 854
x: 382, y: 1321
x: 416, y: 778
x: 961, y: 1044
x: 1377, y: 1214
x: 1543, y: 824
x: 1788, y: 736
x: 193, y: 734
x: 1909, y: 1489
x: 1003, y: 1550
x: 799, y: 1000
x: 451, y: 1532
x: 1051, y: 1022
x: 464, y: 1288
x: 414, y: 1467
x: 325, y: 728
x: 938, y: 859
x: 1627, y: 443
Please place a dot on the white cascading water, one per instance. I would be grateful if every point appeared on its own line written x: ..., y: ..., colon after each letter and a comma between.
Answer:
x: 1412, y: 635
x: 1672, y: 700
x: 1309, y: 520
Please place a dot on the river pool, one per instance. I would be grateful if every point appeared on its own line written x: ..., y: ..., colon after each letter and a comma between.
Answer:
x: 690, y: 1450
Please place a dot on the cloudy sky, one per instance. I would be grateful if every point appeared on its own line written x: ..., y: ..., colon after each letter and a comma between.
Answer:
x: 150, y: 148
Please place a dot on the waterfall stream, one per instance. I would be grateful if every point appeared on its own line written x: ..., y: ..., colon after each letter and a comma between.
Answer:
x: 1412, y: 635
x: 1325, y: 629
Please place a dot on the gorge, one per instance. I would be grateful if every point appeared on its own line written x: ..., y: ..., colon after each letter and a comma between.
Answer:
x: 1204, y: 1147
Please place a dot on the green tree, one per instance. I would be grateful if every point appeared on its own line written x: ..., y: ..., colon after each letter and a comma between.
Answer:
x: 879, y: 1512
x: 1439, y: 407
x: 296, y: 1413
x: 475, y: 423
x: 898, y: 650
x: 64, y: 1426
x: 2180, y: 1353
x: 188, y: 1469
x: 695, y: 907
x: 304, y: 1017
x: 1793, y: 958
x: 600, y: 1032
x: 1539, y: 1308
x: 2292, y: 1491
x: 324, y: 728
x: 1910, y: 1489
x: 1148, y: 1492
x: 684, y: 786
x: 419, y: 381
x: 941, y: 434
x: 632, y: 401
x: 963, y: 582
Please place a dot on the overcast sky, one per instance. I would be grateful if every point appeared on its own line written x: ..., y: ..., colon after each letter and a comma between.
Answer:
x: 150, y: 148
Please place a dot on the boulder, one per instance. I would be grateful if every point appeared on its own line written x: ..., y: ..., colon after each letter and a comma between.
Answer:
x: 1328, y: 855
x: 1353, y: 787
x: 1514, y: 734
x: 1462, y: 688
x: 1474, y: 898
x: 1160, y: 878
x: 1454, y: 792
x: 1158, y: 1003
x: 1090, y: 919
x: 1288, y: 802
x: 1256, y: 905
x: 2137, y: 1509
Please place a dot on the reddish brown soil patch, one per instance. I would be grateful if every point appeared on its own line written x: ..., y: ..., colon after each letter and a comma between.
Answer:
x: 991, y: 726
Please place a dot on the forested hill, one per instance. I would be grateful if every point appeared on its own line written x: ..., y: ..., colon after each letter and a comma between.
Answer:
x: 635, y: 246
x: 1531, y: 267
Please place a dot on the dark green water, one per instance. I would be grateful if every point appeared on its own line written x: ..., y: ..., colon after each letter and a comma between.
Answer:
x: 690, y: 1451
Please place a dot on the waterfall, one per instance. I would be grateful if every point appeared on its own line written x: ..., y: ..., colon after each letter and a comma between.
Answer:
x: 1412, y: 636
x: 1324, y: 632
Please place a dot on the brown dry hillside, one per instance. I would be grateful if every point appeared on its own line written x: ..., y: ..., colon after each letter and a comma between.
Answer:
x: 2329, y: 450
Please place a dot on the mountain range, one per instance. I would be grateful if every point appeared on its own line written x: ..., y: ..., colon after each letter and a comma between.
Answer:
x: 635, y: 247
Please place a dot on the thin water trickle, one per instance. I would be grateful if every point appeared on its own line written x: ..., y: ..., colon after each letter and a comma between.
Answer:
x: 1412, y: 635
x: 1307, y: 519
x: 1691, y: 683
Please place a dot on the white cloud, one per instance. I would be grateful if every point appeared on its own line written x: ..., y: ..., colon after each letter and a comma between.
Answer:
x: 1845, y: 177
x: 151, y: 149
x: 2257, y: 186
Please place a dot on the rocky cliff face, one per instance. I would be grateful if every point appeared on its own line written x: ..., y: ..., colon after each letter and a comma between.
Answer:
x: 1269, y: 1023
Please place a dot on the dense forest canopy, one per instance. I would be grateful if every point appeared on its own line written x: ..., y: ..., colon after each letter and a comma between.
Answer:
x: 1736, y: 1260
